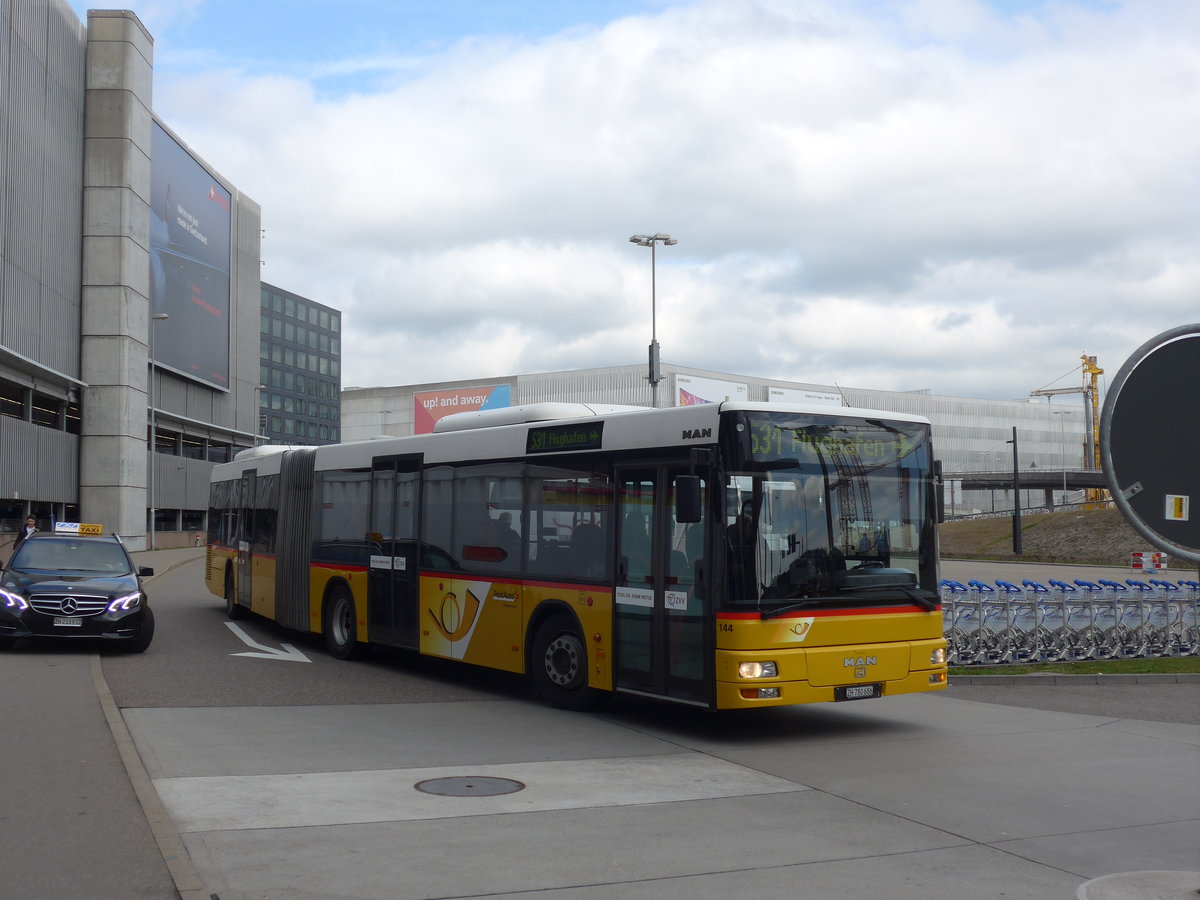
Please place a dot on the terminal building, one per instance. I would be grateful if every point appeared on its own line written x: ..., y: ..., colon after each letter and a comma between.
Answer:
x: 129, y: 287
x: 972, y: 438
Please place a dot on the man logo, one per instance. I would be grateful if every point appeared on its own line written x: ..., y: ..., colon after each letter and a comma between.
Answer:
x: 696, y: 434
x: 849, y: 662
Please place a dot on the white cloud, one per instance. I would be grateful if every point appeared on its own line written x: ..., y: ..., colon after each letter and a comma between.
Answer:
x: 948, y: 198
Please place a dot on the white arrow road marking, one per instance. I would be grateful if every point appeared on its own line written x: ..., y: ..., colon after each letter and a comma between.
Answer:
x: 288, y: 652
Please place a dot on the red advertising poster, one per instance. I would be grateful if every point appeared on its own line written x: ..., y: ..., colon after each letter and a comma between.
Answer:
x: 430, y: 406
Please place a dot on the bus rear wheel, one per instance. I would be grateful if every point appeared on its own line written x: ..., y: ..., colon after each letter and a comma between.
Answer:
x: 232, y: 610
x: 559, y: 666
x: 341, y: 626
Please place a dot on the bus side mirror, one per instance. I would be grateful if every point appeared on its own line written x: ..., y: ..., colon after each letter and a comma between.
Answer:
x: 688, y: 508
x: 938, y: 492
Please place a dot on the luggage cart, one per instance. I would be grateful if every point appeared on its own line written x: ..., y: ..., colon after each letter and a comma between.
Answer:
x: 1028, y: 609
x: 960, y: 623
x: 1130, y: 619
x: 1188, y: 614
x: 994, y: 623
x: 1155, y: 616
x: 1078, y: 639
x: 1107, y: 619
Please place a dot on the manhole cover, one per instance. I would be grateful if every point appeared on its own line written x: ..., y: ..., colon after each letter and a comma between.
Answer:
x: 465, y: 786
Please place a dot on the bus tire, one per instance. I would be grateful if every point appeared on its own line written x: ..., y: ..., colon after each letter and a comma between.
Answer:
x: 341, y: 625
x: 232, y: 609
x: 145, y: 636
x: 559, y: 665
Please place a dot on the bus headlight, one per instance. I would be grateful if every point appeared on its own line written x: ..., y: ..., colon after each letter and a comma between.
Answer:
x: 757, y: 670
x: 938, y: 657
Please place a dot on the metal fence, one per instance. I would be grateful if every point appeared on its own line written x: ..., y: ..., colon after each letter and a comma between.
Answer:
x: 1003, y: 623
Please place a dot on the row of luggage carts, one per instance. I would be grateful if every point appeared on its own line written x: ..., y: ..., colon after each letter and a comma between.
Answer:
x: 1002, y: 623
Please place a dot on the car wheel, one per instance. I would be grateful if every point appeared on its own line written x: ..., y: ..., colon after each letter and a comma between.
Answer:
x: 341, y: 625
x: 145, y: 636
x: 559, y: 665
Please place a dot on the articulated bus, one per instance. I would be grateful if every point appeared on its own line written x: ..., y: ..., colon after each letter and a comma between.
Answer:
x: 730, y: 555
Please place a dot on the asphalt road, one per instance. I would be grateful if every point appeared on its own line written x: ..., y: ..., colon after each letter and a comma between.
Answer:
x: 943, y: 795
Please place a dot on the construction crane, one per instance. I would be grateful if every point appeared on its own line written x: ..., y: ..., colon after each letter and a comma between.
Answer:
x: 1091, y: 405
x: 1091, y: 409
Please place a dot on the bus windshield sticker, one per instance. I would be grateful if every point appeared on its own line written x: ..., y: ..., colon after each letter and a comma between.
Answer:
x: 676, y: 600
x: 557, y: 438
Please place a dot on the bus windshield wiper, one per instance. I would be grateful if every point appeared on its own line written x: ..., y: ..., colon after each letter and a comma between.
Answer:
x: 921, y: 598
x: 791, y: 607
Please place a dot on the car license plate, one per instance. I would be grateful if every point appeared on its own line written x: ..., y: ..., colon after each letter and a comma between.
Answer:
x: 858, y: 691
x: 68, y: 621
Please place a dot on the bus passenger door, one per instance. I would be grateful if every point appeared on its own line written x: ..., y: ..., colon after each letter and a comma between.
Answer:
x: 663, y: 646
x: 243, y: 539
x: 395, y: 559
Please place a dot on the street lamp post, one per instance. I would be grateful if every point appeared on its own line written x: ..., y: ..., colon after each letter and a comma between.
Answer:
x: 1016, y: 482
x: 652, y: 241
x: 154, y: 320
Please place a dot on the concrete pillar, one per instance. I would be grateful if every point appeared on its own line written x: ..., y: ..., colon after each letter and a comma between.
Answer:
x: 116, y: 273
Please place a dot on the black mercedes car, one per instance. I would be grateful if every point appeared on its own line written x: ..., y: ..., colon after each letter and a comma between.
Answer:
x: 75, y: 586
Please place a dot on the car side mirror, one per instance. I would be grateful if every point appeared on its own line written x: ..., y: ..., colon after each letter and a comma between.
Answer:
x: 145, y: 571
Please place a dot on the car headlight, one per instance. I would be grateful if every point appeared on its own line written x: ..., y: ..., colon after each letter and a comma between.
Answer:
x: 757, y: 670
x: 129, y: 601
x: 13, y: 601
x: 938, y: 657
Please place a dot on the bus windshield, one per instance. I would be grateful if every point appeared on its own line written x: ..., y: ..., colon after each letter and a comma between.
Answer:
x: 827, y: 507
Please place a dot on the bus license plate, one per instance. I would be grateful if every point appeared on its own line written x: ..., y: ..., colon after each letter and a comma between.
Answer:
x: 69, y: 621
x: 858, y: 692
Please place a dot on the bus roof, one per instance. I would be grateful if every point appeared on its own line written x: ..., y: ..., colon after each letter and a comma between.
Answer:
x: 505, y: 433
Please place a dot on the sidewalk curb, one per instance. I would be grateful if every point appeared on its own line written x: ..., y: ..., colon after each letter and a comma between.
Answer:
x: 1055, y: 678
x: 170, y: 845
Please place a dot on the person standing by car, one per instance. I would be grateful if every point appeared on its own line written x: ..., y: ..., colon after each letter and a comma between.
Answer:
x: 29, y: 528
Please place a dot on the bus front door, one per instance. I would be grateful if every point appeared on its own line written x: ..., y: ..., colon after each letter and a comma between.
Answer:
x: 395, y: 558
x: 245, y: 539
x: 663, y: 646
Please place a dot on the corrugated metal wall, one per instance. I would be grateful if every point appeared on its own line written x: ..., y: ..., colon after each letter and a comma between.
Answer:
x: 41, y: 158
x: 38, y: 463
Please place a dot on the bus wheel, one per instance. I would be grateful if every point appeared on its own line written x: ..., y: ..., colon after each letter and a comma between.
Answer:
x: 232, y: 610
x: 558, y: 666
x: 341, y: 626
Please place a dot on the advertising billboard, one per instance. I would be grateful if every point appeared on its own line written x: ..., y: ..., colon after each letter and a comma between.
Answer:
x: 430, y: 406
x: 691, y: 390
x: 190, y: 234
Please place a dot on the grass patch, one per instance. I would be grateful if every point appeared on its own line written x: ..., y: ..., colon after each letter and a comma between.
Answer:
x: 1167, y: 665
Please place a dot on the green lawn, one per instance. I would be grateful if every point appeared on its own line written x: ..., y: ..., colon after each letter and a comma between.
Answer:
x: 1169, y: 665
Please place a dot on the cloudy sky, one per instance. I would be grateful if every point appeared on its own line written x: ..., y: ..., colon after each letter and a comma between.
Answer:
x: 957, y: 195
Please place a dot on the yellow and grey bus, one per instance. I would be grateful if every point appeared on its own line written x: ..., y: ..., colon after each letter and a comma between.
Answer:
x: 730, y: 555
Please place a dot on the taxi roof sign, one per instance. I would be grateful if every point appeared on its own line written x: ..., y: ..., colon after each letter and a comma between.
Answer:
x: 77, y: 528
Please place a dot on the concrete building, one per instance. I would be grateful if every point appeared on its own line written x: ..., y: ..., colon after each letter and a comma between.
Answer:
x: 300, y: 369
x: 970, y: 435
x: 129, y: 287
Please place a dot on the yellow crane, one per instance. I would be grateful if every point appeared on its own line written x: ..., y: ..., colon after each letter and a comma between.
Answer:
x: 1091, y: 407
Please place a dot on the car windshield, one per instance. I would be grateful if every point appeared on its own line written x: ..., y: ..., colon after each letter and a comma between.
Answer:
x: 827, y: 506
x: 72, y: 556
